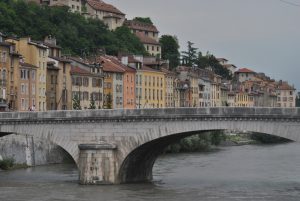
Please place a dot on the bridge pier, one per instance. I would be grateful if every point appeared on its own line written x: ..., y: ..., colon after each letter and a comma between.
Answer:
x: 97, y: 164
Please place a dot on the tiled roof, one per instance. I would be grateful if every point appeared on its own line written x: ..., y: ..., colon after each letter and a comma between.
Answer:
x: 145, y: 68
x: 110, y: 66
x: 245, y: 70
x: 119, y: 64
x: 145, y: 39
x: 102, y: 6
x: 80, y: 71
x: 136, y: 25
x: 284, y: 86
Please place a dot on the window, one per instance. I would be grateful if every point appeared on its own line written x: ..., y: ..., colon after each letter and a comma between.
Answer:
x: 86, y: 81
x: 33, y: 89
x: 33, y: 74
x: 22, y: 88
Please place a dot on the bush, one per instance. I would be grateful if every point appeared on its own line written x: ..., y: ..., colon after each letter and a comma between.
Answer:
x: 7, y: 164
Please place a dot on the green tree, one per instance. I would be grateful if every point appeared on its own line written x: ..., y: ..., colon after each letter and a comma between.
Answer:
x: 92, y: 103
x: 189, y: 57
x: 76, y: 103
x: 170, y: 50
x: 128, y: 42
x: 146, y: 20
x: 109, y: 101
x: 73, y: 32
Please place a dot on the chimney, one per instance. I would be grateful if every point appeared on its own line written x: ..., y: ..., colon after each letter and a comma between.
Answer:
x: 51, y: 40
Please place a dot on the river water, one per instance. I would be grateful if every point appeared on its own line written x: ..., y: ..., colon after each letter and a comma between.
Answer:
x: 233, y: 173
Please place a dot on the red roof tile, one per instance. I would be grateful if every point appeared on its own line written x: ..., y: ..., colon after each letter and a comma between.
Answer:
x: 77, y: 70
x: 102, y: 6
x: 136, y: 25
x: 245, y: 70
x: 110, y: 66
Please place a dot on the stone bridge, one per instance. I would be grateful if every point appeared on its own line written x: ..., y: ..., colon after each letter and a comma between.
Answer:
x: 121, y: 146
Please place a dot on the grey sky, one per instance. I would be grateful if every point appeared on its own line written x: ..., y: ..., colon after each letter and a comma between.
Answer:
x: 263, y: 35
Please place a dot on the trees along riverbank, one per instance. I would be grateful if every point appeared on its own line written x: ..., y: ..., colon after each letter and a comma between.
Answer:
x: 210, y: 141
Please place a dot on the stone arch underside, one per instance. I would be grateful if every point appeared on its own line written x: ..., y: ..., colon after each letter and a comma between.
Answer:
x: 63, y: 141
x: 138, y: 163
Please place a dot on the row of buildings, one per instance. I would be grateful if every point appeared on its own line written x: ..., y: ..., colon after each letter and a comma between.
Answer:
x: 113, y: 18
x: 35, y: 76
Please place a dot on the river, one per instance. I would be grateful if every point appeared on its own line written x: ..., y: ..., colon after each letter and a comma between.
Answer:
x: 244, y: 173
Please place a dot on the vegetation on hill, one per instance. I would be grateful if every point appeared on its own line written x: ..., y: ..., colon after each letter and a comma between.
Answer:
x: 170, y: 50
x: 195, y: 58
x: 73, y: 32
x: 146, y: 20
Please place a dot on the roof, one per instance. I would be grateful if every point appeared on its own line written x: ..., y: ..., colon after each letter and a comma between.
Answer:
x: 244, y: 70
x: 110, y: 66
x: 145, y: 39
x: 284, y: 86
x: 80, y: 71
x: 61, y: 59
x: 102, y: 6
x: 137, y: 25
x: 119, y: 63
x: 145, y: 68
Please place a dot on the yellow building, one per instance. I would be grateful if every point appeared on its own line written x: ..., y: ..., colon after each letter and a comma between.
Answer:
x: 170, y: 78
x: 36, y: 54
x: 9, y: 67
x: 244, y: 99
x: 150, y: 88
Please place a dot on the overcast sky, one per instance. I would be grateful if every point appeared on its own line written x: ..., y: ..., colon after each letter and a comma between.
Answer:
x: 263, y: 35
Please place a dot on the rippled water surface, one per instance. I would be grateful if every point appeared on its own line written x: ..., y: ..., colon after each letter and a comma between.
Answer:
x: 234, y: 173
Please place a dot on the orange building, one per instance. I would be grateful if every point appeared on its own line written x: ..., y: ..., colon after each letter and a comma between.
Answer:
x: 128, y: 84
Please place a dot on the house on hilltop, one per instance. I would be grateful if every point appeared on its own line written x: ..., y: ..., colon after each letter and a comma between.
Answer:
x: 148, y: 35
x: 109, y: 14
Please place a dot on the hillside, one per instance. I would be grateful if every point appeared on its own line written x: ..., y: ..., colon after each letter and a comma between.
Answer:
x: 73, y: 32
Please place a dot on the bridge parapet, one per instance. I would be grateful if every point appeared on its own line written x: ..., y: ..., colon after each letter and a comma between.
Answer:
x: 138, y: 114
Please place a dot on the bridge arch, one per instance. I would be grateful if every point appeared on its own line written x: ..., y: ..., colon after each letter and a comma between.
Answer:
x: 138, y: 163
x: 61, y: 142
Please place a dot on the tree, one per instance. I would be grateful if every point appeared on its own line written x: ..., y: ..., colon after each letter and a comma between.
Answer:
x: 170, y: 50
x: 76, y: 103
x: 189, y: 57
x: 128, y: 42
x: 109, y: 101
x: 146, y: 20
x: 92, y: 103
x: 73, y: 31
x: 202, y: 61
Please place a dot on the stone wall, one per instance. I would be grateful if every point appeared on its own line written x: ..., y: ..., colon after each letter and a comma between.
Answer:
x: 25, y: 149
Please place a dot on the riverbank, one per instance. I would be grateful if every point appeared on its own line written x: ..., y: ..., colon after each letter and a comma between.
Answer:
x: 9, y: 164
x: 211, y: 141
